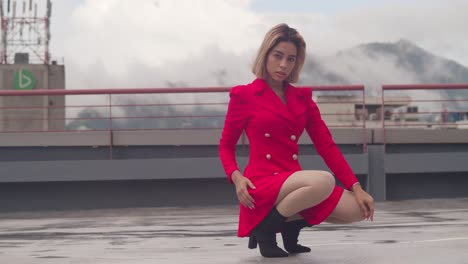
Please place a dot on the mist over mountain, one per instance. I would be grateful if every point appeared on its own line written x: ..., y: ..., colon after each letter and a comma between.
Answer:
x: 374, y: 64
x: 371, y: 64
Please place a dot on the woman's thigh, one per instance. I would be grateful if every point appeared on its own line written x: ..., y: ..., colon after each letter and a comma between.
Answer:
x: 346, y: 211
x: 305, y: 178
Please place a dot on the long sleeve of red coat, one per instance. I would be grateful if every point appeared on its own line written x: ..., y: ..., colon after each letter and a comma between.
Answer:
x: 325, y: 146
x: 234, y: 124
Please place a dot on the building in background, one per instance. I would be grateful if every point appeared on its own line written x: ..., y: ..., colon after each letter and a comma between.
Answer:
x: 26, y: 65
x: 347, y: 111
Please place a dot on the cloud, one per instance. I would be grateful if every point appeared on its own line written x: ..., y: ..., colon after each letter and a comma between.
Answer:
x: 153, y: 32
x: 359, y: 68
x: 212, y: 67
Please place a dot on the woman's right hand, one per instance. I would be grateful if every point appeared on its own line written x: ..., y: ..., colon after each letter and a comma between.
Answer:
x: 242, y: 183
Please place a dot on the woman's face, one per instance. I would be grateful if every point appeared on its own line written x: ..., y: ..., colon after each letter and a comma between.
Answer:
x: 281, y: 61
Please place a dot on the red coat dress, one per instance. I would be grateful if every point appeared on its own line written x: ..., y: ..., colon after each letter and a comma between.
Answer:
x: 273, y: 129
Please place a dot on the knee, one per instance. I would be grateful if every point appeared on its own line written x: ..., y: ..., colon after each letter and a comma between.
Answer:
x: 318, y: 180
x: 357, y: 217
x: 328, y: 181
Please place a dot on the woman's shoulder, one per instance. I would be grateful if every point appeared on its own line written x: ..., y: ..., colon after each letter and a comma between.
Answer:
x: 238, y: 89
x: 243, y: 90
x: 238, y: 92
x: 301, y: 91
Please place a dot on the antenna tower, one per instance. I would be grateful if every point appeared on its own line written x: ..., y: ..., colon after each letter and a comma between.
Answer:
x: 23, y: 32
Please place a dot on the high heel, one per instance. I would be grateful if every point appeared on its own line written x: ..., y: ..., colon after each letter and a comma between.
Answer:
x: 290, y: 233
x: 265, y: 235
x: 252, y: 242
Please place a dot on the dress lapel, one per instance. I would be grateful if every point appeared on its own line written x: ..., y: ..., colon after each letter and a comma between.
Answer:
x: 296, y: 101
x: 268, y: 100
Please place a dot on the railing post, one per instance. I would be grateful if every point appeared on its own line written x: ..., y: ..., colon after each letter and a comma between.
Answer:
x: 111, y: 140
x: 383, y: 119
x: 364, y: 132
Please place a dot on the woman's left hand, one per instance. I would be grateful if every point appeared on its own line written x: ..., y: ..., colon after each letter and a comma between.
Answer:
x: 365, y: 201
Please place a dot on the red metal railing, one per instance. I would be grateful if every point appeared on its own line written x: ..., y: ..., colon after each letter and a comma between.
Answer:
x: 439, y: 107
x: 111, y: 109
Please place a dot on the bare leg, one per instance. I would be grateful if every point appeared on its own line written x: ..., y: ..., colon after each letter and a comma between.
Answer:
x: 301, y: 190
x: 304, y: 189
x: 294, y: 218
x: 346, y: 211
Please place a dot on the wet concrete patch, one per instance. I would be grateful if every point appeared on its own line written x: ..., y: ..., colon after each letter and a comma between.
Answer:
x: 426, y: 216
x: 386, y: 242
x: 352, y: 228
x: 118, y: 243
x: 11, y: 244
x: 51, y: 257
x: 116, y: 238
x: 202, y: 225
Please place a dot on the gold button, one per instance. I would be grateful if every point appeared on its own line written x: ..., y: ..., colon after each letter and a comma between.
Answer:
x: 267, y: 135
x: 294, y: 157
x: 268, y: 156
x: 293, y: 137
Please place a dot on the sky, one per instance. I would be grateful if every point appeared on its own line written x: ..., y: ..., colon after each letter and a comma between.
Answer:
x: 159, y: 43
x: 313, y: 6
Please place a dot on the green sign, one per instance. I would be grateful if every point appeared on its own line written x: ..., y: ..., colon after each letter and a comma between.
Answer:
x: 24, y: 80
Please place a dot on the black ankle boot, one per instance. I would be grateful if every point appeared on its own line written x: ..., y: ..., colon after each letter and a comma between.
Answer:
x: 265, y: 234
x: 290, y: 233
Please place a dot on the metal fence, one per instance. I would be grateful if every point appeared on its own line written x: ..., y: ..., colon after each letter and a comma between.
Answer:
x: 425, y: 107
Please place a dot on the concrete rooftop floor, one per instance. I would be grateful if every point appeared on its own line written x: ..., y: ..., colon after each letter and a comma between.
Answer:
x: 416, y: 231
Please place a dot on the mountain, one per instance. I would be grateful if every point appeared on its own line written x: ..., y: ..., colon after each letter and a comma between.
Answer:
x: 374, y: 64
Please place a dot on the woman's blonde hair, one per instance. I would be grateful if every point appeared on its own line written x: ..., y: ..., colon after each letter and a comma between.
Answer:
x: 277, y: 34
